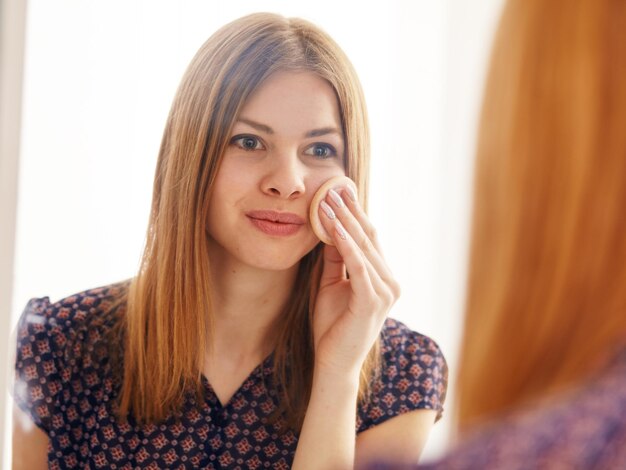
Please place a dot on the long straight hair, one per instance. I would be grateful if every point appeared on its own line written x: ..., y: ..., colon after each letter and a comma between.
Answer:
x: 546, y: 302
x: 168, y: 316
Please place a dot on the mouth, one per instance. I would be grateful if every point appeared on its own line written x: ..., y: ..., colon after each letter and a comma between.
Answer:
x: 276, y: 217
x: 276, y: 223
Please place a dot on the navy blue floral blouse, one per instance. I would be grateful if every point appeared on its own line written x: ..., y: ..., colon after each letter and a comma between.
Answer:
x: 65, y: 383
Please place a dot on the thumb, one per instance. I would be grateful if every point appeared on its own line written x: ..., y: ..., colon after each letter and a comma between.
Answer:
x: 334, y: 268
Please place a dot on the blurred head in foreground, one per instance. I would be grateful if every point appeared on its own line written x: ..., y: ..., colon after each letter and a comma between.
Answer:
x: 542, y: 379
x: 546, y: 301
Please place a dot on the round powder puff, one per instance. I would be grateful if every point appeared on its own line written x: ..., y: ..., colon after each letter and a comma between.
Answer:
x: 337, y: 182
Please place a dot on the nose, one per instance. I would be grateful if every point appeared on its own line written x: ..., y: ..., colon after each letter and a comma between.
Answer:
x: 285, y: 177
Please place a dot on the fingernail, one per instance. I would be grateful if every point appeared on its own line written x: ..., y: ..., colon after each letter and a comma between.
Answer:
x: 336, y: 198
x: 351, y: 193
x: 340, y: 230
x: 327, y: 210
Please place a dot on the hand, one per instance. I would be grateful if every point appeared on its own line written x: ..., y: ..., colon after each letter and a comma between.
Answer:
x: 349, y: 312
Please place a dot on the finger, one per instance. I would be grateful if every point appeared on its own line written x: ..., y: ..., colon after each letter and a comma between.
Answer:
x: 328, y: 216
x: 334, y: 268
x: 377, y: 300
x: 339, y: 208
x: 387, y: 292
x: 350, y: 199
x: 354, y: 261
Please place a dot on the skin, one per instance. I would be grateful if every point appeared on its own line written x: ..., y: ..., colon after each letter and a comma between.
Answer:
x: 30, y: 444
x: 273, y: 162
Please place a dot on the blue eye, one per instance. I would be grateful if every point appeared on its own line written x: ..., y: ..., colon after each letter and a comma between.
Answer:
x: 247, y: 142
x: 321, y: 151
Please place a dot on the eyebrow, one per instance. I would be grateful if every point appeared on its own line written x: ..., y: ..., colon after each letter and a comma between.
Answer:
x: 313, y: 133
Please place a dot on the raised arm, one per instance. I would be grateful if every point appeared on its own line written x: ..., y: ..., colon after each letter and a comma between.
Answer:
x: 349, y: 314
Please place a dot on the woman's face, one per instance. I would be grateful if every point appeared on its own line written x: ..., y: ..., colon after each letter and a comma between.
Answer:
x: 286, y: 142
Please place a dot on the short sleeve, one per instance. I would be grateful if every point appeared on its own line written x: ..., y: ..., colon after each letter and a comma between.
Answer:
x: 41, y: 369
x: 413, y: 376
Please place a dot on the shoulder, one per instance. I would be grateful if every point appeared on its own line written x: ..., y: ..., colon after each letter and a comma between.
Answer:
x: 413, y: 375
x: 399, y: 340
x: 412, y: 356
x: 70, y: 315
x: 57, y: 342
x: 76, y: 307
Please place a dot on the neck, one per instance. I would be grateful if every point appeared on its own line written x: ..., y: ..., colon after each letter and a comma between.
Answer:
x: 247, y: 303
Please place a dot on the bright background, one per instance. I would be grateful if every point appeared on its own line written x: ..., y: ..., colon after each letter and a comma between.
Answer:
x: 99, y: 77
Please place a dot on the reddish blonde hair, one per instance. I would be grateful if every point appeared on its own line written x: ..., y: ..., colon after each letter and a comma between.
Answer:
x: 547, y: 281
x: 167, y: 325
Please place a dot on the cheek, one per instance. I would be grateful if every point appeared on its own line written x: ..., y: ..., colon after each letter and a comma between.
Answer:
x: 227, y: 188
x: 232, y: 179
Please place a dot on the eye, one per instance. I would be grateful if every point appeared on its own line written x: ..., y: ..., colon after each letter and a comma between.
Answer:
x: 321, y: 151
x: 247, y: 142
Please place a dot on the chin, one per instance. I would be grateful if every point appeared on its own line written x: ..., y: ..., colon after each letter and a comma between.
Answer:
x: 276, y: 257
x: 273, y: 261
x: 261, y: 254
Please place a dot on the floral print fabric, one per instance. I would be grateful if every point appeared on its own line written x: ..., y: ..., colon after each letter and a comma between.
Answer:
x: 64, y: 382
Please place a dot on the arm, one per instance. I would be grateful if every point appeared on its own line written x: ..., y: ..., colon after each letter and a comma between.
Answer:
x: 327, y: 439
x: 399, y: 440
x: 348, y: 316
x: 30, y: 444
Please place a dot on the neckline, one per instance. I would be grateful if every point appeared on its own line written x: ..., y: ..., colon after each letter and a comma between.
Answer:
x: 255, y: 373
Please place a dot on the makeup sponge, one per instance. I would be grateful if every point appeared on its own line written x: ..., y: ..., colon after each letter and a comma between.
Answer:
x: 336, y: 183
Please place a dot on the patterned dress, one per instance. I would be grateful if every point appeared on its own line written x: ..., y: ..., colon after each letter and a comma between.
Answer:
x: 65, y: 383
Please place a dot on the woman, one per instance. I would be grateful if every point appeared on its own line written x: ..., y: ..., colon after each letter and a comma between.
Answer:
x: 246, y: 343
x: 542, y: 382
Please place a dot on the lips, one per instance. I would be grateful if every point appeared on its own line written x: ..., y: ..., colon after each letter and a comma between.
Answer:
x: 276, y: 223
x: 276, y: 217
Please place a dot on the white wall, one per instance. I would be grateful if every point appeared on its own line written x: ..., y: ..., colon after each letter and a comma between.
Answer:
x: 12, y: 20
x: 99, y: 79
x: 468, y: 34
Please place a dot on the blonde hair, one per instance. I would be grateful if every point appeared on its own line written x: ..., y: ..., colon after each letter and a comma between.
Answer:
x: 169, y: 301
x: 547, y: 282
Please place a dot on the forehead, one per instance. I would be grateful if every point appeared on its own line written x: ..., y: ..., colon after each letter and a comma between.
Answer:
x: 294, y: 101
